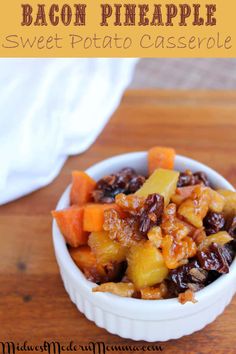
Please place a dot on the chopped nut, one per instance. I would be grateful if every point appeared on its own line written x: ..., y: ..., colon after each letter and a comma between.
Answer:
x: 154, y: 292
x: 182, y: 194
x: 120, y: 289
x: 188, y: 295
x: 198, y: 274
x: 176, y: 253
x: 195, y: 208
x: 130, y: 203
x: 124, y: 231
x: 155, y: 236
x: 171, y: 225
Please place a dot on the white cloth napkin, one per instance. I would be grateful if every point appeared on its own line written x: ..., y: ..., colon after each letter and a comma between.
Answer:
x: 49, y: 109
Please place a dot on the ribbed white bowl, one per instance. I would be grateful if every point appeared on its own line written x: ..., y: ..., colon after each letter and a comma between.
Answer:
x: 137, y: 319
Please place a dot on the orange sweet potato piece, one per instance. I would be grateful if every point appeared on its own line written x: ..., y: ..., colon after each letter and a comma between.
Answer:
x: 94, y: 216
x: 81, y: 189
x: 160, y: 157
x: 70, y: 223
x: 85, y: 259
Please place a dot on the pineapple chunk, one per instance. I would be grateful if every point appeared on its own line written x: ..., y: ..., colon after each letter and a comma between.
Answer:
x: 86, y: 261
x: 230, y: 202
x: 146, y: 266
x: 163, y: 182
x: 105, y: 249
x: 217, y: 201
x: 191, y: 213
x: 221, y: 238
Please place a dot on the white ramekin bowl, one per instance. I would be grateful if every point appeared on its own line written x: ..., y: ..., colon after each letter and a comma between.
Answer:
x: 137, y: 319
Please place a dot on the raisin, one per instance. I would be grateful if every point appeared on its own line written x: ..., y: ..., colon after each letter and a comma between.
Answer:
x: 230, y: 252
x: 212, y: 276
x: 140, y: 216
x: 115, y: 271
x: 126, y: 181
x: 188, y: 179
x: 185, y: 179
x: 136, y: 183
x: 128, y: 171
x: 201, y: 177
x: 216, y: 257
x: 213, y: 222
x: 151, y: 214
x: 112, y: 272
x: 189, y: 276
x: 231, y: 227
x: 198, y: 273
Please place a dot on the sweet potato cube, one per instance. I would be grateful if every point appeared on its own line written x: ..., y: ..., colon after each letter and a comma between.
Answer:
x: 160, y: 157
x: 81, y: 189
x: 70, y: 223
x: 85, y: 259
x: 94, y: 216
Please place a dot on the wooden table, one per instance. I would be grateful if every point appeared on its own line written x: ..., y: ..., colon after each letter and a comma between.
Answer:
x: 33, y: 303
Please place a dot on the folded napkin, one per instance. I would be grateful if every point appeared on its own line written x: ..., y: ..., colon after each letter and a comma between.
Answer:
x: 49, y: 109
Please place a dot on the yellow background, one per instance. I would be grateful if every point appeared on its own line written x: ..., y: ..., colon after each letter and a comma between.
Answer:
x: 11, y: 17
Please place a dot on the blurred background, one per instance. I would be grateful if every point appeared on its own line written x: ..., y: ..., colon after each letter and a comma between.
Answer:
x: 180, y: 73
x: 47, y: 115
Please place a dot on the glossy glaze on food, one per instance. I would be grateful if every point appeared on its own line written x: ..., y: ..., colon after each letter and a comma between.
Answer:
x: 151, y: 237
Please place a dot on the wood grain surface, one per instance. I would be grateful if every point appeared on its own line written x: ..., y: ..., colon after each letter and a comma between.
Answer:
x: 33, y: 303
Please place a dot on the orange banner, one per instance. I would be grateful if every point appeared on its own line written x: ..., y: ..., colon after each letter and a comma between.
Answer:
x: 114, y: 28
